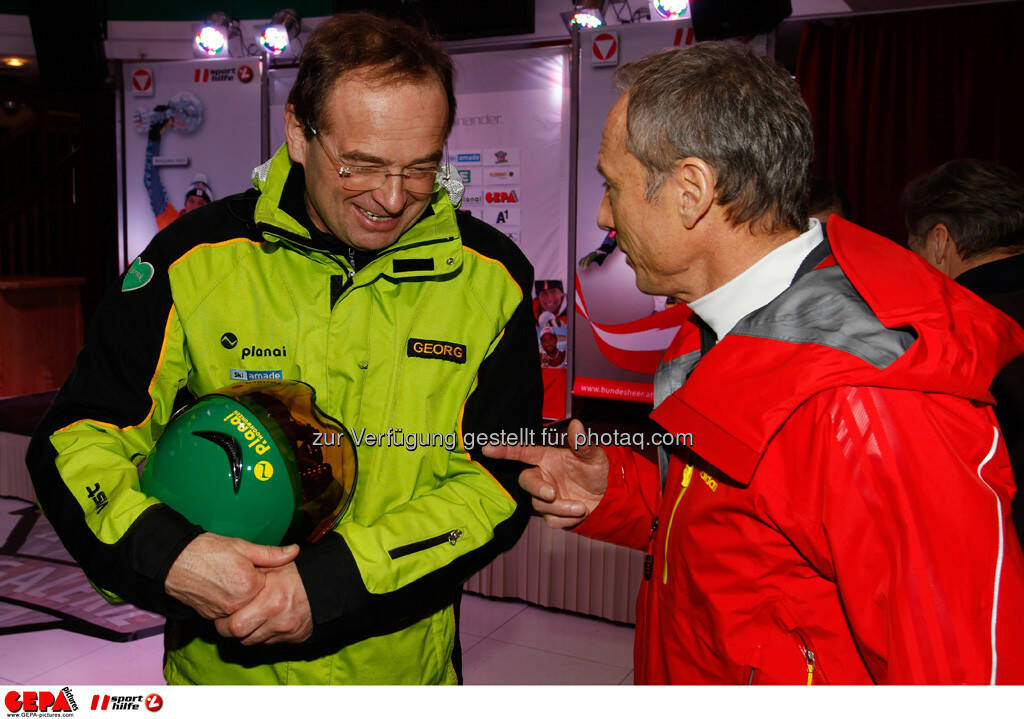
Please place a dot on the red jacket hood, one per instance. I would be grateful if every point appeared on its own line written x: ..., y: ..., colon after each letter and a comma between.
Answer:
x: 746, y: 387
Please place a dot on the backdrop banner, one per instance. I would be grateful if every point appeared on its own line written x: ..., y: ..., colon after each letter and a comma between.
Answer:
x: 510, y: 144
x: 192, y: 135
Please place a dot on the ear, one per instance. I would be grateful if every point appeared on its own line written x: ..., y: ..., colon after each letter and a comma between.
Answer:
x: 939, y: 248
x: 692, y: 184
x: 295, y: 136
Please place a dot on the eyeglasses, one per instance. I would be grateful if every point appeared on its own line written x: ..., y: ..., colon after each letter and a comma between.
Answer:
x: 416, y: 181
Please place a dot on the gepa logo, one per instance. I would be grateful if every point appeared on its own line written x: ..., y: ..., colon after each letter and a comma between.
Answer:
x: 28, y: 703
x: 502, y: 198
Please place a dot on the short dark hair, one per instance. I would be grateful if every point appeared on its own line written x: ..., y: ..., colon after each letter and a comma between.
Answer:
x: 980, y: 202
x: 739, y: 112
x: 388, y: 49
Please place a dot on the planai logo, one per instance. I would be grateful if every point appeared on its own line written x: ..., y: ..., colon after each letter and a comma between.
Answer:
x: 254, y: 351
x: 228, y: 341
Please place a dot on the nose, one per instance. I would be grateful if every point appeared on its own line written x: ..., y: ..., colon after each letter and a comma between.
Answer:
x: 605, y: 220
x: 391, y: 195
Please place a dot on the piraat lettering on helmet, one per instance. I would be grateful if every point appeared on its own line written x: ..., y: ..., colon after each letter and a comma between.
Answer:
x: 436, y: 349
x: 253, y: 436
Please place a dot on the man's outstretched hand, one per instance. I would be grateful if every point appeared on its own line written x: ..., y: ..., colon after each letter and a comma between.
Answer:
x: 565, y: 483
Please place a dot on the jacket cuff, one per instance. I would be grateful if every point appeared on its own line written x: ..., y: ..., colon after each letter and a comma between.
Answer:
x: 621, y: 517
x: 158, y: 538
x: 331, y: 579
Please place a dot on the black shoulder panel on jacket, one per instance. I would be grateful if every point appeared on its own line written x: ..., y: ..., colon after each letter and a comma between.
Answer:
x: 224, y: 219
x: 489, y: 242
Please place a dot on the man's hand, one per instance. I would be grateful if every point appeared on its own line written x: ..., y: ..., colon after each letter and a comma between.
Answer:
x: 218, y: 575
x: 566, y: 484
x: 279, y: 613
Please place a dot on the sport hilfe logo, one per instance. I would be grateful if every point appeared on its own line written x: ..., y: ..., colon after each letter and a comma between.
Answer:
x: 105, y: 702
x: 32, y: 702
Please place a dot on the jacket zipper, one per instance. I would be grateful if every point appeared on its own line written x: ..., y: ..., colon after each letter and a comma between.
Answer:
x: 808, y: 658
x: 451, y: 537
x: 649, y: 558
x: 687, y: 475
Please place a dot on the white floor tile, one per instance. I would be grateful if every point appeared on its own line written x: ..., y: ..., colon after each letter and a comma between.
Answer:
x: 468, y: 640
x: 138, y: 662
x: 494, y: 662
x: 24, y: 656
x: 581, y: 637
x: 481, y: 616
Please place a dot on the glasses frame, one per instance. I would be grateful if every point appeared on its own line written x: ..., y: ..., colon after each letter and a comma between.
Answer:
x: 345, y: 171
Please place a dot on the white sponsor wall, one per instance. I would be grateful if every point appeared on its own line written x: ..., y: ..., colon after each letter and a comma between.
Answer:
x: 211, y: 133
x: 511, y: 144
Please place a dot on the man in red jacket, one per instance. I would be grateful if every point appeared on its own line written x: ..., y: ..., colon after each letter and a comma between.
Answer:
x: 842, y: 515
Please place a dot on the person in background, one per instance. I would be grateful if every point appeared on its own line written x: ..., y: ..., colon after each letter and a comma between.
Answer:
x: 550, y: 355
x: 832, y: 503
x: 551, y: 305
x: 966, y: 219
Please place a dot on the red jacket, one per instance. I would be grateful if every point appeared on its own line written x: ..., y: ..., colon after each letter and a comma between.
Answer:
x: 842, y: 514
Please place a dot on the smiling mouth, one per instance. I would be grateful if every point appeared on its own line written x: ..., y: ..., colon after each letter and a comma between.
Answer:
x: 374, y: 217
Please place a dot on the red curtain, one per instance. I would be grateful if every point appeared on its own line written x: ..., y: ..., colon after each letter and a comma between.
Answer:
x: 895, y: 95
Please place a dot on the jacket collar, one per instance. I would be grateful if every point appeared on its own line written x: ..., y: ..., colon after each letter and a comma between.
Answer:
x: 432, y: 248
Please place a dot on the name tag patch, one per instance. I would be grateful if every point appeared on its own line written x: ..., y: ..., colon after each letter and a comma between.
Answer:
x: 436, y: 349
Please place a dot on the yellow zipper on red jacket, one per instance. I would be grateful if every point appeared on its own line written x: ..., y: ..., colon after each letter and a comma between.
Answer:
x: 687, y: 476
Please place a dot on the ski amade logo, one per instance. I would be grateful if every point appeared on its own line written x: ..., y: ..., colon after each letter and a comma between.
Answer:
x: 44, y: 703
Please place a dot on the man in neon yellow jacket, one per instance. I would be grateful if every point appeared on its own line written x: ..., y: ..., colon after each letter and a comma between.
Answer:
x: 347, y: 267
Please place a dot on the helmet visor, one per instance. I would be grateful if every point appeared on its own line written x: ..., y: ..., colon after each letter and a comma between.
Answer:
x: 325, y: 470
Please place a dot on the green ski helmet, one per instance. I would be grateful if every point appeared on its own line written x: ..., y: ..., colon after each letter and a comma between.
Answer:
x: 256, y: 460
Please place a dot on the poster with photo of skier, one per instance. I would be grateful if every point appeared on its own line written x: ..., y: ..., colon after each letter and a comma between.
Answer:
x: 192, y: 135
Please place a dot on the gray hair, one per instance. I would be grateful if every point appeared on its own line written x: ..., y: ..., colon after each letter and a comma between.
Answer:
x: 739, y: 112
x: 980, y: 202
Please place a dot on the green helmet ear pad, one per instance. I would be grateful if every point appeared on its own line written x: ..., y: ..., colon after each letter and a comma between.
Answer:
x: 245, y: 462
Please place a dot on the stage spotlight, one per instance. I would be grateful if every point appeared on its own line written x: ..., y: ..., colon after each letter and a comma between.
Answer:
x: 212, y: 38
x: 585, y: 15
x: 283, y: 26
x: 671, y: 9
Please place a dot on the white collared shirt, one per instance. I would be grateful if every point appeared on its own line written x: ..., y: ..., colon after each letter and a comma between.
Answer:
x: 758, y: 285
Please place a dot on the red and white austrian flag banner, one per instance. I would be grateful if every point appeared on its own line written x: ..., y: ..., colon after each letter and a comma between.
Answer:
x: 638, y: 345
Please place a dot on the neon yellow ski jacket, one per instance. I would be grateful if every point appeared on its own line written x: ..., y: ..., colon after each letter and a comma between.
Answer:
x: 433, y: 338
